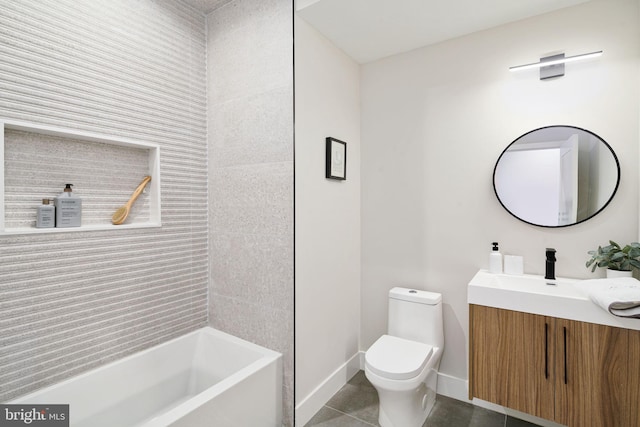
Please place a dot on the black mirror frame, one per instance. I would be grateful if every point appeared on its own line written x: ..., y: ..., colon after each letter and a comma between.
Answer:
x: 613, y: 193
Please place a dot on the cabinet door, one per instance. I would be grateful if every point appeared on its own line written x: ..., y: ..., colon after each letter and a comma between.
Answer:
x: 591, y: 375
x: 511, y: 360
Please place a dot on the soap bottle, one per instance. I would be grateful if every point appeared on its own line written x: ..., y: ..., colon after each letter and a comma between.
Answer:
x: 46, y: 217
x: 68, y: 208
x: 495, y: 260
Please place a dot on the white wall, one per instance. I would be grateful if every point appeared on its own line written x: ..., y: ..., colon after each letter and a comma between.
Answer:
x: 435, y: 120
x: 327, y: 225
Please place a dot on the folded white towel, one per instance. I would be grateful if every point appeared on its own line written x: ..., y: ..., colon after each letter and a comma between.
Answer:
x: 620, y: 296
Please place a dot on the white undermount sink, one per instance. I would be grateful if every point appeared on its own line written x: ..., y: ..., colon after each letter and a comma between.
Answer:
x: 562, y: 298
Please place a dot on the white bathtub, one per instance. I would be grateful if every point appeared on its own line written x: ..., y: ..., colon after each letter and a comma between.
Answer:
x: 204, y: 378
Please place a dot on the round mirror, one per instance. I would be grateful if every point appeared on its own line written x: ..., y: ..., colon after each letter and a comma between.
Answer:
x: 556, y: 176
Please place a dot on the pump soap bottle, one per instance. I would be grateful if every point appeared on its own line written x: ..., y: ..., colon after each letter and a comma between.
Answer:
x: 46, y: 217
x: 495, y: 260
x: 68, y: 208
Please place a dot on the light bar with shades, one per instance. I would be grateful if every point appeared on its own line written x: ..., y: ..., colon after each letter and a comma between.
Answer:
x: 553, y: 66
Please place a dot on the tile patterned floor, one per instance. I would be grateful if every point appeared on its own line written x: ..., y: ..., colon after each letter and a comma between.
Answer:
x: 356, y: 405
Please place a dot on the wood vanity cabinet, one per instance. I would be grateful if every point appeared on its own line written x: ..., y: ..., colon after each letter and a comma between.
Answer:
x: 574, y: 373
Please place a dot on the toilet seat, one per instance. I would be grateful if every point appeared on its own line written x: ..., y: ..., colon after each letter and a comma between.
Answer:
x: 397, y: 358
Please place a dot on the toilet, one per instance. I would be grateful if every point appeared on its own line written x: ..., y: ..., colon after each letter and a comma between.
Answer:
x: 403, y: 365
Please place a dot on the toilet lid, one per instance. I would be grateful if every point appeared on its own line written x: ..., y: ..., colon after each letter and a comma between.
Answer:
x: 397, y: 358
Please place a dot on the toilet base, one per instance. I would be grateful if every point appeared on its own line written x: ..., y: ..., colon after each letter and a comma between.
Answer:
x: 405, y: 409
x: 405, y: 403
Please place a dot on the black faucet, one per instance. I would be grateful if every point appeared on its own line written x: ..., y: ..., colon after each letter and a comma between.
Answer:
x: 550, y: 265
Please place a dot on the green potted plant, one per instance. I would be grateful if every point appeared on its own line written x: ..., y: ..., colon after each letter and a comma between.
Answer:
x: 615, y: 259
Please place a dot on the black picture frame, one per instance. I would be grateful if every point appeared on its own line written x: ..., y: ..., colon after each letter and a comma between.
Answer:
x: 336, y: 159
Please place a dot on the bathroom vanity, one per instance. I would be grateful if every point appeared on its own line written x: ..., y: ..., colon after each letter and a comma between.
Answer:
x: 547, y: 350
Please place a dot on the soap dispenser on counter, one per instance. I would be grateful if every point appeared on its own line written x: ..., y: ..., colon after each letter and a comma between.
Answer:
x: 68, y: 209
x: 495, y: 260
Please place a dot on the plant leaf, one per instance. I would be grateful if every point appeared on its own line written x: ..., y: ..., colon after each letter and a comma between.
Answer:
x: 617, y: 256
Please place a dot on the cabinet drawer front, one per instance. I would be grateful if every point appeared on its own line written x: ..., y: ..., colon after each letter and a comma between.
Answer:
x: 592, y: 381
x: 508, y: 355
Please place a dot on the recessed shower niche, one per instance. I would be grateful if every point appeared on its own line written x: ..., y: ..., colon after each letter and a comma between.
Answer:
x: 37, y: 161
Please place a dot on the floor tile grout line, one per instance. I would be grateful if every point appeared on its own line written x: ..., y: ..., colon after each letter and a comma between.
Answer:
x: 349, y: 415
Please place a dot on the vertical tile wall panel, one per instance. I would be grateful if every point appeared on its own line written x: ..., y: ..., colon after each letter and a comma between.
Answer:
x: 250, y: 92
x: 134, y: 69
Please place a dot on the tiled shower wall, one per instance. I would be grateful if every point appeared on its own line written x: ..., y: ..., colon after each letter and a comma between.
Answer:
x: 133, y: 69
x: 250, y: 92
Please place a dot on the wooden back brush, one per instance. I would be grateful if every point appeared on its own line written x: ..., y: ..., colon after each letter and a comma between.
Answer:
x: 122, y: 213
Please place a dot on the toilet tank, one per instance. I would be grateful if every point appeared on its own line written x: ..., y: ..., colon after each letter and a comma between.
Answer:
x: 416, y: 315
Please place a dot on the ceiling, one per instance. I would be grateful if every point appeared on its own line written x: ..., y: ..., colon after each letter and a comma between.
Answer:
x: 368, y: 30
x: 372, y: 29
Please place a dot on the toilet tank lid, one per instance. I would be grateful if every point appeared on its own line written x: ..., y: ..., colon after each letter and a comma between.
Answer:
x: 415, y: 295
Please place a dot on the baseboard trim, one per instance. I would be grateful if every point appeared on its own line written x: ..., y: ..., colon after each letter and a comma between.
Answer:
x: 453, y: 387
x: 311, y: 404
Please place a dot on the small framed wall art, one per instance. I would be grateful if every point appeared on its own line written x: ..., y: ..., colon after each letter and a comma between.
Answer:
x: 336, y: 159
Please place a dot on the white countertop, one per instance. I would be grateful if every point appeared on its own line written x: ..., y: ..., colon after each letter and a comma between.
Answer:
x: 531, y: 294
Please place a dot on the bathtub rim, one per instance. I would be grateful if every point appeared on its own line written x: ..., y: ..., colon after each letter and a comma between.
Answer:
x: 266, y: 358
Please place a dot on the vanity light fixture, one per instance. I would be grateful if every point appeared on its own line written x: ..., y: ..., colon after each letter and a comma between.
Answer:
x: 553, y: 66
